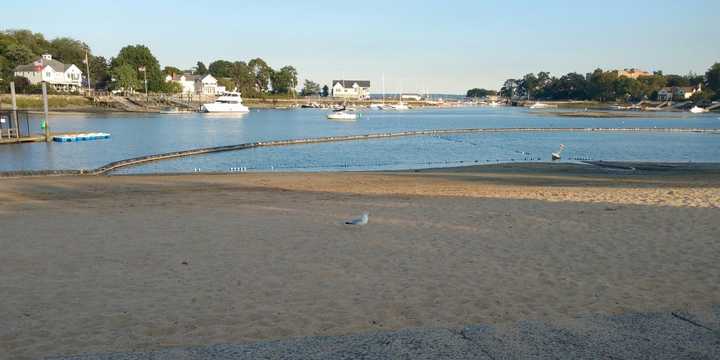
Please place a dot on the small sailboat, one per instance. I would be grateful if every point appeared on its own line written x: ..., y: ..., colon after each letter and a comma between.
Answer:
x: 556, y: 155
x: 698, y: 110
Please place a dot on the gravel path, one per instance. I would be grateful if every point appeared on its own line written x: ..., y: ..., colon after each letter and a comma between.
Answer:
x: 628, y: 336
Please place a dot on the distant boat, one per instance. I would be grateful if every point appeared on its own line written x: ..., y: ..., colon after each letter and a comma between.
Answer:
x: 343, y: 115
x: 375, y: 106
x: 228, y: 102
x: 539, y: 105
x: 493, y: 104
x: 698, y: 110
x: 399, y: 106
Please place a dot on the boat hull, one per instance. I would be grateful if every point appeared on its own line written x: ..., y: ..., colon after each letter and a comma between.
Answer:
x: 224, y: 108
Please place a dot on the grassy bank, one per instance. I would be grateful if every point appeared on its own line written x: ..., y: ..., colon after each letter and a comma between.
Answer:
x: 35, y: 102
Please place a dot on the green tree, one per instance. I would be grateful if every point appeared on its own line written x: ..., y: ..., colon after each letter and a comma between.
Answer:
x: 325, y: 91
x: 310, y: 88
x: 125, y: 78
x: 603, y: 85
x: 22, y: 84
x: 200, y: 69
x: 229, y: 84
x: 284, y: 81
x: 262, y: 73
x: 171, y: 70
x: 137, y: 56
x: 243, y: 78
x: 221, y: 68
x: 479, y: 93
x: 99, y: 72
x: 676, y: 80
x: 712, y: 78
x: 509, y: 88
x: 172, y: 87
x: 18, y: 54
x: 705, y: 95
x: 69, y: 51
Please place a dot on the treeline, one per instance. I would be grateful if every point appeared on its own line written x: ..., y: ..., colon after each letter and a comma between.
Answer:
x: 19, y: 47
x: 603, y: 85
x: 133, y: 64
x: 480, y: 93
x: 252, y: 78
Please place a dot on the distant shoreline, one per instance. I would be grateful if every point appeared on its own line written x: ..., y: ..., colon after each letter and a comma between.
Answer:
x: 68, y: 104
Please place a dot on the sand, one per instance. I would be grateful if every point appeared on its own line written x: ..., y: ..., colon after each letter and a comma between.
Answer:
x: 138, y: 263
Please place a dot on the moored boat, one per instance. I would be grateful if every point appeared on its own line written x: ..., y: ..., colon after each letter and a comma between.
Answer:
x: 343, y: 115
x: 698, y: 110
x: 227, y: 102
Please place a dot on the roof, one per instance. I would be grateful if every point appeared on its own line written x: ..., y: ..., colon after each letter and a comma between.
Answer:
x: 188, y: 77
x: 54, y: 64
x: 349, y: 83
x: 686, y: 88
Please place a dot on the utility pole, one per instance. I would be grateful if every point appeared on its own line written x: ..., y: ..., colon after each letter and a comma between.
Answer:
x: 14, y: 116
x: 45, y: 107
x: 87, y: 68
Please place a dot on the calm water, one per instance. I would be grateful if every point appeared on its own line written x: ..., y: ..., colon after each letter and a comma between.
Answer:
x: 136, y: 135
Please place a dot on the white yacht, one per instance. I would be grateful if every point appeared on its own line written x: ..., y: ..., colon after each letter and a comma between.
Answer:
x: 539, y: 105
x: 348, y: 114
x: 229, y: 102
x: 698, y: 110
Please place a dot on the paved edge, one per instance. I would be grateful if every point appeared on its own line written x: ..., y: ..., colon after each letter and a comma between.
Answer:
x: 675, y: 335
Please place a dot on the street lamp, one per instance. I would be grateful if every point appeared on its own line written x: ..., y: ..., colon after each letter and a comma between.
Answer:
x: 144, y: 71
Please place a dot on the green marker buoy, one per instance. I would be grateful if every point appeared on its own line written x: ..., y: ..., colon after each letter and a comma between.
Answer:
x: 43, y: 125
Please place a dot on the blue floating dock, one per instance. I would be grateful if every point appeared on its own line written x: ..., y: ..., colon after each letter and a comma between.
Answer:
x: 81, y: 137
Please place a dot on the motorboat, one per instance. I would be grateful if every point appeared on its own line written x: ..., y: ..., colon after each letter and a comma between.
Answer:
x: 539, y: 105
x: 227, y: 102
x: 399, y: 106
x: 698, y: 110
x: 345, y: 114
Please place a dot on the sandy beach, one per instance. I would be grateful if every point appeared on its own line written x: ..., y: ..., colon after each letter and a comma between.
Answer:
x: 141, y: 263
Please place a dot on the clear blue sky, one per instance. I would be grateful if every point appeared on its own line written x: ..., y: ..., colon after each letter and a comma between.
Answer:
x: 444, y: 46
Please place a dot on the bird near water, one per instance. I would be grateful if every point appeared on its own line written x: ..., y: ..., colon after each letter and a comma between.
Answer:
x: 363, y: 220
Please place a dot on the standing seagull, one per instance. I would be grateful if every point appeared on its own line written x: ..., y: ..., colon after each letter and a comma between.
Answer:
x: 556, y: 155
x: 363, y: 220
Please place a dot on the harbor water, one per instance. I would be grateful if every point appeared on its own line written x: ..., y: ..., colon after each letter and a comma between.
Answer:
x: 136, y: 135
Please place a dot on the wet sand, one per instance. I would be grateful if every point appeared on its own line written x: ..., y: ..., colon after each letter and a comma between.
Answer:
x: 140, y: 263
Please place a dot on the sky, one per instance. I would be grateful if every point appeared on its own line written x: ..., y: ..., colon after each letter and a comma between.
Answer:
x: 434, y: 46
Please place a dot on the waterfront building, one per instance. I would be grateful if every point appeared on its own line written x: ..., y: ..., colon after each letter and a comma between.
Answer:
x: 61, y: 77
x: 411, y: 97
x: 678, y: 93
x: 196, y: 84
x: 633, y: 73
x: 351, y: 89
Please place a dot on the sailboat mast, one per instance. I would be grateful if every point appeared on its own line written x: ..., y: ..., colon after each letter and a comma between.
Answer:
x: 383, y: 88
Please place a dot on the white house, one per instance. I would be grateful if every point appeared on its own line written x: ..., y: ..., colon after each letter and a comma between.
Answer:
x: 206, y: 85
x: 186, y: 81
x: 60, y: 76
x: 353, y: 89
x: 678, y: 93
x: 196, y: 84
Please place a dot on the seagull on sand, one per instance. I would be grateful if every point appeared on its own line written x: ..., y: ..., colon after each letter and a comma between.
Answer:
x: 363, y: 220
